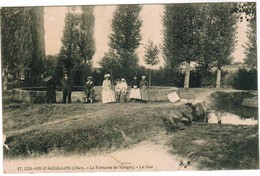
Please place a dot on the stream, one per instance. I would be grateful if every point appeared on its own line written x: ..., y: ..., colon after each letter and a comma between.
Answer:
x: 228, y: 114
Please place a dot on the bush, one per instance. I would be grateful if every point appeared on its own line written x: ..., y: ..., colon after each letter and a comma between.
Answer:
x: 245, y: 79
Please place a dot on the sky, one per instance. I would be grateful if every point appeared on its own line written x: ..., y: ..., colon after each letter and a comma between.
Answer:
x: 151, y: 29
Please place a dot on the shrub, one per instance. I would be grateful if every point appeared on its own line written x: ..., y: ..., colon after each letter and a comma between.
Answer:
x: 245, y: 79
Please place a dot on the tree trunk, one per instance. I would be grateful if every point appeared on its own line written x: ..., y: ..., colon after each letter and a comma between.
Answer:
x: 5, y: 79
x: 187, y: 76
x: 150, y: 77
x: 218, y: 78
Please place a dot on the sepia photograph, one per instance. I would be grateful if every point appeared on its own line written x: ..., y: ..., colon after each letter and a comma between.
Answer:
x: 131, y: 87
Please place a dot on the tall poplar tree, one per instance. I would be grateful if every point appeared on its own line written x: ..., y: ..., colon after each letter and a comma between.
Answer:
x: 78, y: 44
x: 69, y: 52
x: 182, y: 31
x: 251, y: 48
x: 220, y: 37
x: 126, y: 36
x: 86, y: 33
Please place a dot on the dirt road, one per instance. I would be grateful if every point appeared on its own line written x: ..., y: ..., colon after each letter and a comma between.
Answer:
x: 146, y: 156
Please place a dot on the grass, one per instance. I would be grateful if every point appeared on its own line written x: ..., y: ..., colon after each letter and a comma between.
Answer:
x: 78, y: 128
x: 217, y: 147
x: 40, y: 129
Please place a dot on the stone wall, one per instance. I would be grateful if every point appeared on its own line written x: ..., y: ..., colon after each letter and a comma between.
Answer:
x: 35, y: 96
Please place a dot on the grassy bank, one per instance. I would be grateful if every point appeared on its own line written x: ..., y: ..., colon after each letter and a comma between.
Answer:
x: 217, y: 147
x: 39, y: 129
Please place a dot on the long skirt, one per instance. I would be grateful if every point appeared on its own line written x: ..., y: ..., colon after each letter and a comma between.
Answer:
x: 51, y: 96
x: 135, y: 94
x: 145, y: 94
x: 108, y: 96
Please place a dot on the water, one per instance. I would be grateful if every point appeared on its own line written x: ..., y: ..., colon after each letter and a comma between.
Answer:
x: 229, y: 118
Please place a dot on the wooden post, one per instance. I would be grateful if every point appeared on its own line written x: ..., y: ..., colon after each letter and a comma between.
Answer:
x: 150, y: 77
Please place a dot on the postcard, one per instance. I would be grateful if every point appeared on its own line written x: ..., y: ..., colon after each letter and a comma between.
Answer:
x: 129, y: 88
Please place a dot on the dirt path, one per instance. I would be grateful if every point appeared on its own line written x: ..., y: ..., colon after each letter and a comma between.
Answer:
x: 146, y: 156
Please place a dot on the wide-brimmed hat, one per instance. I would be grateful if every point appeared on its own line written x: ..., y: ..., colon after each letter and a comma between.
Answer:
x: 90, y: 77
x: 123, y: 79
x: 106, y: 75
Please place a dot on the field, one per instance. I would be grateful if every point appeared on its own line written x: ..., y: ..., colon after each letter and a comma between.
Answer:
x: 52, y: 131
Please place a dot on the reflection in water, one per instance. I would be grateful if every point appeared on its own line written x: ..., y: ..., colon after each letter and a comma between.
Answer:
x: 228, y: 118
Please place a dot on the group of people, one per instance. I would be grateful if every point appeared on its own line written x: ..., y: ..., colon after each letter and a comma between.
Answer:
x: 66, y: 85
x: 139, y: 91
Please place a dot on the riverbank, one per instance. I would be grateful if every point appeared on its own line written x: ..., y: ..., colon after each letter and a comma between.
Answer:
x: 53, y: 131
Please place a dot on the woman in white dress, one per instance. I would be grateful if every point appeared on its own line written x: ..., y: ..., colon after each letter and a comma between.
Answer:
x: 135, y: 94
x: 108, y: 95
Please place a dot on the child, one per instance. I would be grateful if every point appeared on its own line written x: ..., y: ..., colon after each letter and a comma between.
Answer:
x: 89, y: 90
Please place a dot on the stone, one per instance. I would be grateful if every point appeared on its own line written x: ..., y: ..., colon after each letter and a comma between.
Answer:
x: 250, y: 102
x: 173, y: 97
x: 182, y: 115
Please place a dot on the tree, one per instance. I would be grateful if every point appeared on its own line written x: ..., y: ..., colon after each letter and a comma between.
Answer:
x: 69, y: 52
x: 125, y: 37
x: 251, y: 50
x: 110, y: 64
x: 220, y: 37
x: 151, y: 57
x: 78, y: 44
x: 181, y: 41
x: 86, y: 40
x: 23, y: 48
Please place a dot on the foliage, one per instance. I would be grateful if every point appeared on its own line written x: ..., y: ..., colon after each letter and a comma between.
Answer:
x: 69, y: 52
x: 126, y: 25
x: 124, y: 40
x: 78, y: 41
x: 50, y: 63
x: 182, y: 28
x: 151, y: 54
x: 251, y: 49
x: 247, y: 8
x: 245, y: 79
x: 204, y: 33
x: 110, y: 64
x: 151, y: 57
x: 220, y: 35
x: 86, y: 33
x: 218, y: 39
x: 23, y: 42
x: 80, y: 73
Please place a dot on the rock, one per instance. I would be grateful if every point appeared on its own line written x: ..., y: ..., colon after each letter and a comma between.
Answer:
x: 250, y: 102
x: 184, y: 114
x: 173, y: 97
x: 199, y: 110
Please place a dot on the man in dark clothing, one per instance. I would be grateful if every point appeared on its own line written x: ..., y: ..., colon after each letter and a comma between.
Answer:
x: 66, y: 85
x: 51, y: 91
